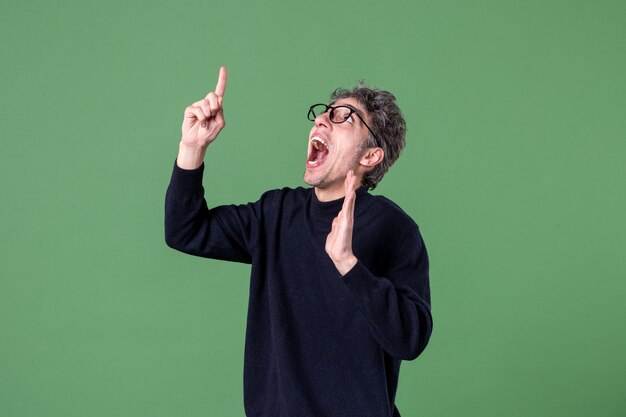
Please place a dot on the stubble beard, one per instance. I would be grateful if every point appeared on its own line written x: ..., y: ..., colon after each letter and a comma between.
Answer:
x: 313, y: 182
x: 323, y: 179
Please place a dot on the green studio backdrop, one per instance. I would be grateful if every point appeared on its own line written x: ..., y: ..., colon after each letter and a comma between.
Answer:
x: 514, y: 170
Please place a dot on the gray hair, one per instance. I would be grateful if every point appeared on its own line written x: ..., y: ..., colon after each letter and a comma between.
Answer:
x: 386, y: 121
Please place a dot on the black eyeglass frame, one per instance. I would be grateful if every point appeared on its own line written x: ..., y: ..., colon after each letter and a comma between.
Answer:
x: 311, y: 116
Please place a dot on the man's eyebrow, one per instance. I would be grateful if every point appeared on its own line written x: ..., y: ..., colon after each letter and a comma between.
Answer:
x: 358, y: 111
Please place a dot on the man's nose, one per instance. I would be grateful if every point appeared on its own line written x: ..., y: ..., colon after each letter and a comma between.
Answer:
x: 323, y: 120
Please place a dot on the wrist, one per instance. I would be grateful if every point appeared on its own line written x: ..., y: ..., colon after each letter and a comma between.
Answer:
x: 189, y: 156
x: 345, y: 265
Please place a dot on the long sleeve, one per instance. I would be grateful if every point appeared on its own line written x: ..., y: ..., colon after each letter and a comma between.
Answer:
x: 224, y: 232
x: 397, y: 306
x: 317, y: 344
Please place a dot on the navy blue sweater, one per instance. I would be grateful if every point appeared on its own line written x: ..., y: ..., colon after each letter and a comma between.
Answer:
x: 317, y: 344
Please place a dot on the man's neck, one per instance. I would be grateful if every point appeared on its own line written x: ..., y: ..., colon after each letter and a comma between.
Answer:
x: 333, y: 193
x: 329, y: 194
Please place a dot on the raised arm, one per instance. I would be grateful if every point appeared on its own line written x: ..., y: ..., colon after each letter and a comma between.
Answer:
x: 202, y: 122
x: 224, y: 232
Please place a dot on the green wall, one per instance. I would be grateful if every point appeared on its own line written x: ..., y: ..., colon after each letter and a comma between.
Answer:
x: 514, y: 170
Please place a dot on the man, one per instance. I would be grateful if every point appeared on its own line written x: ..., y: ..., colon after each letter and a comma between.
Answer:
x: 339, y: 288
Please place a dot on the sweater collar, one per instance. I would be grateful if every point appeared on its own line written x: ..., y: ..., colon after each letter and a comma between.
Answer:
x: 326, y: 211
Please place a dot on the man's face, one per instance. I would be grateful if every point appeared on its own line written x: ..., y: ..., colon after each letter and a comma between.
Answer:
x: 334, y: 148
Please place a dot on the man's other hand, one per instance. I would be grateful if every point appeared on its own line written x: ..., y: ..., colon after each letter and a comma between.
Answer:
x: 339, y: 240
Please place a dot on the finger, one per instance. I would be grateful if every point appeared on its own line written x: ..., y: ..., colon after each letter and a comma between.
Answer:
x: 349, y: 187
x: 219, y: 118
x: 220, y: 88
x: 213, y: 103
x: 204, y: 106
x: 350, y: 198
x: 335, y: 225
x: 352, y: 180
x: 194, y: 112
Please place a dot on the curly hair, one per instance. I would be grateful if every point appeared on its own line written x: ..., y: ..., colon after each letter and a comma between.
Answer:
x: 387, y: 122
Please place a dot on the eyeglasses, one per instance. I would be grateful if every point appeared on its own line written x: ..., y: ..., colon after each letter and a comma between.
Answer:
x: 337, y: 115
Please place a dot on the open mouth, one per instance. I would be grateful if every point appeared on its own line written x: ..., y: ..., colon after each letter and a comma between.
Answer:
x: 318, y: 150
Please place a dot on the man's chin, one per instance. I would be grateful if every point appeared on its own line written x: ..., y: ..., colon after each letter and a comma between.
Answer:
x: 310, y: 179
x: 311, y: 182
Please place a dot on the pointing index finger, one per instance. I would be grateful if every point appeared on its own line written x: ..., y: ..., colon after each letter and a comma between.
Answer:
x: 220, y: 88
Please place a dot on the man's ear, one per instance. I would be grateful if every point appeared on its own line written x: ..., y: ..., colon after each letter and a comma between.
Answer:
x: 372, y: 157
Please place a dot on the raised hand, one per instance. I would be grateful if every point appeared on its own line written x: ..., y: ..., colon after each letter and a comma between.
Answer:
x: 339, y: 240
x: 202, y: 123
x: 204, y: 119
